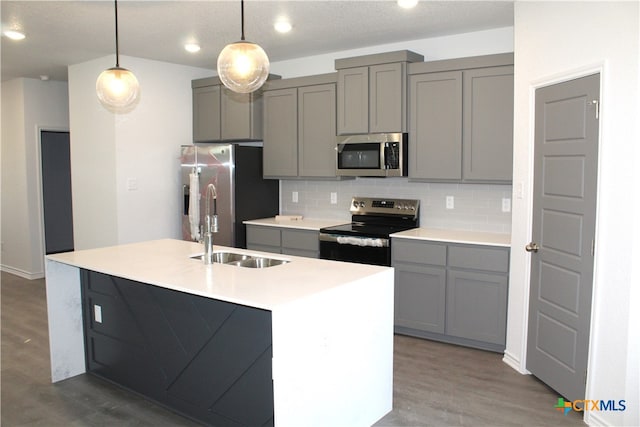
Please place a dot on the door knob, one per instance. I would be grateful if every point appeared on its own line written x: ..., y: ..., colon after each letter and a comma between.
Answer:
x: 532, y: 247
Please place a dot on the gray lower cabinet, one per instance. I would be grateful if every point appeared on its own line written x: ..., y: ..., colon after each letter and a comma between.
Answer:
x: 207, y: 359
x: 461, y: 120
x: 420, y: 297
x: 288, y: 241
x: 451, y: 292
x: 220, y: 114
x: 300, y: 128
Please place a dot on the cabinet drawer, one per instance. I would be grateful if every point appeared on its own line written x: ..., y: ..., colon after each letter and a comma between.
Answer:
x: 267, y: 236
x: 488, y: 259
x: 418, y: 252
x: 297, y: 239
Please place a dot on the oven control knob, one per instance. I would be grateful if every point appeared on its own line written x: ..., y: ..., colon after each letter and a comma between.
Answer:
x: 413, y: 208
x: 355, y: 204
x: 362, y: 204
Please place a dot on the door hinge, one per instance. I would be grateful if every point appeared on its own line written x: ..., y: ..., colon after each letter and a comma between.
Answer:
x: 593, y: 247
x: 596, y: 104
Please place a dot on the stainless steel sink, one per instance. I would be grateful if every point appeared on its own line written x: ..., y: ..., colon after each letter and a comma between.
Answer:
x: 243, y: 260
x: 259, y: 262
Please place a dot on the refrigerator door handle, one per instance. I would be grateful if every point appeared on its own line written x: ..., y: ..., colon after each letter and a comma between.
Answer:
x: 185, y: 194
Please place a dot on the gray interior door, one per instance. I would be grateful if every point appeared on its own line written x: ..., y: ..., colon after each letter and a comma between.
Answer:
x: 56, y: 191
x: 564, y: 208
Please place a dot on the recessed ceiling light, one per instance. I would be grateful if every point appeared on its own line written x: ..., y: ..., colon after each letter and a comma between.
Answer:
x: 14, y: 35
x: 407, y: 4
x: 192, y: 47
x: 282, y: 26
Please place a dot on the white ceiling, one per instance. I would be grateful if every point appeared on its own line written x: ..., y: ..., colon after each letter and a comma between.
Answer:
x: 60, y: 33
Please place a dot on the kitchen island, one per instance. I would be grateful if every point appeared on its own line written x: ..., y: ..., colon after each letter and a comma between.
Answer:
x: 331, y: 323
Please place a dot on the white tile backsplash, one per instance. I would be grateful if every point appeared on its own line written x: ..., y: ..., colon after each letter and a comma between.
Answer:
x: 477, y: 207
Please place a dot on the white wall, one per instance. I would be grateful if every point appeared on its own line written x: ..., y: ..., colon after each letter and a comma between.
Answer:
x: 499, y: 40
x: 28, y: 106
x: 555, y: 41
x: 108, y: 150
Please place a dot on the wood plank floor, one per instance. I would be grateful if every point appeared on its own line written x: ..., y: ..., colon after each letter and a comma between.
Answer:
x: 435, y: 384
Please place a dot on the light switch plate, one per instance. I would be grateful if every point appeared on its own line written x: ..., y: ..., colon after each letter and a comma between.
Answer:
x: 334, y: 198
x: 294, y: 196
x: 132, y: 184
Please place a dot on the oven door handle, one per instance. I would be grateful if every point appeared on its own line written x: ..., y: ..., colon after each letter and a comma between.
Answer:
x: 354, y: 240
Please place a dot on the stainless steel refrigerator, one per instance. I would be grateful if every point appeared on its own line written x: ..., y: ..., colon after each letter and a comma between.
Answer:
x: 235, y: 170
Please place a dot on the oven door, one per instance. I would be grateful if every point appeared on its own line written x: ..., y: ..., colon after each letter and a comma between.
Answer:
x: 359, y: 249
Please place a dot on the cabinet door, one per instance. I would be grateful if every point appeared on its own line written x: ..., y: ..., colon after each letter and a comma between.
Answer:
x: 488, y: 124
x: 300, y: 243
x: 236, y: 115
x: 280, y: 151
x: 387, y: 103
x: 420, y: 294
x: 206, y: 113
x: 477, y: 306
x: 263, y: 238
x: 435, y: 126
x: 205, y: 358
x: 317, y: 131
x: 353, y: 100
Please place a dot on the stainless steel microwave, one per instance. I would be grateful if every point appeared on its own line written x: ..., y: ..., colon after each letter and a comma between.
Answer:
x: 379, y: 154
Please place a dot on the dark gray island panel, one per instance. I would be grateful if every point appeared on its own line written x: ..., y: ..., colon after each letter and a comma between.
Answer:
x: 207, y: 359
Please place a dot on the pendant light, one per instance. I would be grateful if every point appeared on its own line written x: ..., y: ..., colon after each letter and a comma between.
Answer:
x: 117, y: 87
x: 243, y: 66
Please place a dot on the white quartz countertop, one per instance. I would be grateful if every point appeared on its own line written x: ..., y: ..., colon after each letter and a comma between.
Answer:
x: 303, y: 224
x: 167, y: 263
x: 456, y: 236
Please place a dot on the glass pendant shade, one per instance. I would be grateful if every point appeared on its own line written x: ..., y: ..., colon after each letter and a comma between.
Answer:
x: 243, y: 66
x: 117, y: 88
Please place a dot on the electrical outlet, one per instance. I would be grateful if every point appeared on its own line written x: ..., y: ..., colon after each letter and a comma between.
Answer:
x: 449, y: 202
x: 294, y: 196
x: 334, y: 198
x: 506, y: 204
x: 97, y: 313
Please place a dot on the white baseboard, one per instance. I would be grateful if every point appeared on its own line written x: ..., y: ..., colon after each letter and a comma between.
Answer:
x: 22, y: 273
x: 514, y: 362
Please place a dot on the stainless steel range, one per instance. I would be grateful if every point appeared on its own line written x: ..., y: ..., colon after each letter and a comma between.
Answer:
x: 366, y: 239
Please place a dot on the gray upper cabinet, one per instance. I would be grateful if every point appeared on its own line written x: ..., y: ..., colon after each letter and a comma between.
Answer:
x: 220, y: 114
x: 280, y: 151
x: 300, y: 128
x: 388, y: 100
x: 353, y: 101
x: 435, y: 132
x: 206, y: 113
x: 461, y: 119
x: 488, y: 124
x: 317, y: 131
x: 372, y: 91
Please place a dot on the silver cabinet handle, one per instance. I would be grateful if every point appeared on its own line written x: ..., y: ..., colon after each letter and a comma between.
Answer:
x: 532, y: 247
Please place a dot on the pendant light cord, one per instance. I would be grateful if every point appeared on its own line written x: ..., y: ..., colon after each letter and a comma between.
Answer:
x: 242, y: 18
x: 117, y: 49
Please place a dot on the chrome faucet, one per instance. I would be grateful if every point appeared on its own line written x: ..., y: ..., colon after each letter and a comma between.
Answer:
x: 210, y: 224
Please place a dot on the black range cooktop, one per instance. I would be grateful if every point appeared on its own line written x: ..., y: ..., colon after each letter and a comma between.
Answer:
x: 378, y: 218
x: 366, y: 230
